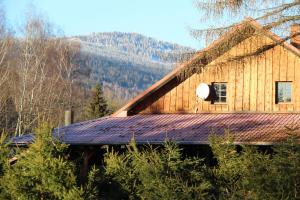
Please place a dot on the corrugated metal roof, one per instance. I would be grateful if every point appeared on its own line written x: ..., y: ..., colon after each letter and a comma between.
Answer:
x: 23, y: 139
x: 250, y: 128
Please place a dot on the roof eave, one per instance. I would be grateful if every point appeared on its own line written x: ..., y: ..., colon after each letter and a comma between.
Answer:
x: 260, y: 143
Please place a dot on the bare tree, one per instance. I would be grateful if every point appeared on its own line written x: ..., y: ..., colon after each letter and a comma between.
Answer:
x: 37, y: 76
x: 4, y: 47
x: 44, y: 71
x: 221, y: 15
x: 6, y: 42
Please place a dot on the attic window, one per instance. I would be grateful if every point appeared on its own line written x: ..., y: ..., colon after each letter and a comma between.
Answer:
x: 219, y: 92
x: 283, y: 92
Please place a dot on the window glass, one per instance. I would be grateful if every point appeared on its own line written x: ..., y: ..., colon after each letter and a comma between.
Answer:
x: 220, y: 92
x: 284, y: 92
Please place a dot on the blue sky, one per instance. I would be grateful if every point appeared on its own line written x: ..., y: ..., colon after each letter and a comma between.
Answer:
x: 166, y: 20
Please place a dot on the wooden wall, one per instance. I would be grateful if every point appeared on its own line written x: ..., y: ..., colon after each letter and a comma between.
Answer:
x: 250, y: 82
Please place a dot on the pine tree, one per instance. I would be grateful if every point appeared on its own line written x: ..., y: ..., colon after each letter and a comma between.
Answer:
x: 157, y: 174
x: 250, y: 173
x: 42, y: 171
x: 97, y: 106
x: 4, y: 151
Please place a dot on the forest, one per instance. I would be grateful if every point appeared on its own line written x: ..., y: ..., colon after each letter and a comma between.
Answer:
x: 125, y: 63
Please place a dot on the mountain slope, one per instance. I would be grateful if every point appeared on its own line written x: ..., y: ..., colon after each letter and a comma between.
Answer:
x: 126, y: 63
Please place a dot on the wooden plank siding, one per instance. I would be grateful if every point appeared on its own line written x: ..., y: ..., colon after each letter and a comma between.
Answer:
x: 296, y: 92
x: 250, y: 82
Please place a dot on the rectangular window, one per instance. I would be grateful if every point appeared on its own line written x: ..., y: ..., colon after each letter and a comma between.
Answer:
x: 219, y: 93
x: 283, y: 92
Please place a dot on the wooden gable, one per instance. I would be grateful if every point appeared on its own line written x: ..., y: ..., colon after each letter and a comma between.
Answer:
x: 250, y: 69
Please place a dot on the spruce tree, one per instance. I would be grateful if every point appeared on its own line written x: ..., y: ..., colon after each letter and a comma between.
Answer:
x: 157, y: 174
x: 42, y: 171
x: 97, y: 106
x: 4, y: 151
x: 253, y: 173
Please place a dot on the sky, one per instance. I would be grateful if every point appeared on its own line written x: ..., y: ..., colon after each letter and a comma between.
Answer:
x: 167, y: 20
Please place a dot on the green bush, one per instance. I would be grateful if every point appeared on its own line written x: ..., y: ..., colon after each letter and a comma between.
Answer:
x: 157, y: 174
x: 4, y: 152
x: 42, y: 171
x: 255, y: 174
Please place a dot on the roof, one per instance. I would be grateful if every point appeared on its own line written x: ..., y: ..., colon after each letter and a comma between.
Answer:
x: 247, y: 128
x: 23, y: 139
x: 239, y: 29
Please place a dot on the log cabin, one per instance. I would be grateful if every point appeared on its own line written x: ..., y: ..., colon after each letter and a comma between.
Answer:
x: 253, y: 82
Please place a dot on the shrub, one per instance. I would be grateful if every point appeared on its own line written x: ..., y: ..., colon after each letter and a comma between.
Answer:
x: 42, y: 171
x: 157, y: 174
x: 254, y: 174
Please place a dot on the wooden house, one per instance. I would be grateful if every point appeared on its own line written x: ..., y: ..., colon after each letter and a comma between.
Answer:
x: 254, y: 84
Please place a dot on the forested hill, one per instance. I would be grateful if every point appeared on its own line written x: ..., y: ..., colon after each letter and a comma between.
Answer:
x: 126, y: 63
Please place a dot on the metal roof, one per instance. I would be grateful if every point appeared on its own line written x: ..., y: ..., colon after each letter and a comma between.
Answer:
x: 23, y: 139
x: 250, y: 128
x: 247, y: 128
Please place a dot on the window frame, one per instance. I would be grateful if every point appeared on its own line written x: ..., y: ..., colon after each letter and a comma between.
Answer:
x: 277, y: 99
x: 216, y: 99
